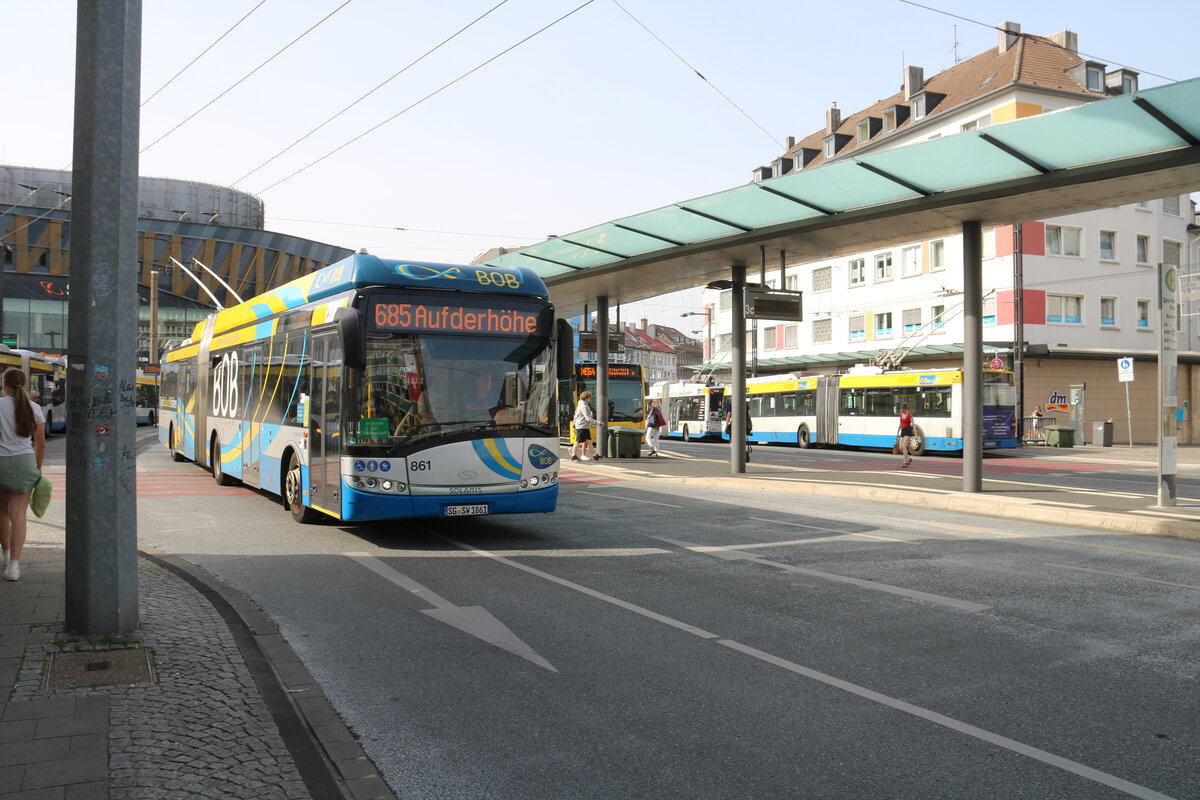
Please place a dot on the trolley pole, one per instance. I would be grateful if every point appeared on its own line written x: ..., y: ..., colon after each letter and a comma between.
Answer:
x: 101, y: 561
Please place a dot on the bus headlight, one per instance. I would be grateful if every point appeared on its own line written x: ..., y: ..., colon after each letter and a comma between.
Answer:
x: 386, y: 486
x: 533, y: 481
x: 371, y: 482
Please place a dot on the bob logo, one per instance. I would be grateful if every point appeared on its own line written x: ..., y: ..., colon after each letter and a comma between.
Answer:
x: 540, y: 457
x: 327, y: 277
x: 494, y: 277
x: 422, y: 272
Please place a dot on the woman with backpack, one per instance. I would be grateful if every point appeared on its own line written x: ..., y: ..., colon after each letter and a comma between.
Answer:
x: 655, y: 421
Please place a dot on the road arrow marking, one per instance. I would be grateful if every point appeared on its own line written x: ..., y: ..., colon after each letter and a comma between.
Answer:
x: 474, y: 620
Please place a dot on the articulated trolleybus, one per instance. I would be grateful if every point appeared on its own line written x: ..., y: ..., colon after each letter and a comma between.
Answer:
x: 375, y: 389
x: 861, y: 408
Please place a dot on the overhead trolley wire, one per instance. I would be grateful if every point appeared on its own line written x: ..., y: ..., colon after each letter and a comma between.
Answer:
x: 998, y: 28
x: 700, y: 75
x: 409, y: 230
x: 377, y: 88
x: 197, y: 58
x: 428, y: 96
x: 247, y: 75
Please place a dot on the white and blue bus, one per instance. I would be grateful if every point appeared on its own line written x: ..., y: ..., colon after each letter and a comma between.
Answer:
x: 376, y: 389
x: 861, y: 408
x: 693, y: 410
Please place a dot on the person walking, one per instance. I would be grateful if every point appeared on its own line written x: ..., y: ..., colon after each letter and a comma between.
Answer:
x: 22, y: 448
x: 1035, y: 426
x: 729, y: 429
x: 654, y: 425
x: 584, y: 419
x: 906, y: 433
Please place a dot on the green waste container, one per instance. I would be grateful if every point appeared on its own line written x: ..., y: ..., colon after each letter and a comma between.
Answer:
x: 1060, y: 436
x: 624, y: 443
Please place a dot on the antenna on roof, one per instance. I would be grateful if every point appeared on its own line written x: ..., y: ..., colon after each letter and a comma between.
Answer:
x: 954, y: 47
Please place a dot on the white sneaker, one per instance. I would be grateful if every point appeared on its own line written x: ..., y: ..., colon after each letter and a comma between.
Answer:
x: 12, y: 572
x: 585, y: 458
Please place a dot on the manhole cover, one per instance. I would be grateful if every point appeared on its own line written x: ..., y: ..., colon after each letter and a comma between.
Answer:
x: 99, y: 668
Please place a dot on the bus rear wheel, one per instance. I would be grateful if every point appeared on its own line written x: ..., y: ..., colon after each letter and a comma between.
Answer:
x: 214, y: 456
x: 687, y: 437
x: 916, y: 442
x: 802, y: 437
x: 293, y: 494
x: 176, y: 446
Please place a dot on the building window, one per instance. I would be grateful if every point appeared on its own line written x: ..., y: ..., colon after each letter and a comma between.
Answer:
x: 770, y: 339
x: 912, y: 319
x: 1171, y: 205
x: 1064, y: 309
x: 988, y: 244
x: 1142, y: 205
x: 864, y: 131
x: 830, y: 147
x: 1108, y: 312
x: 883, y: 324
x: 889, y: 120
x: 822, y: 330
x: 1108, y: 246
x: 938, y: 315
x: 791, y: 337
x: 726, y: 340
x: 1143, y: 249
x: 792, y: 284
x: 989, y: 310
x: 937, y: 254
x: 725, y: 301
x: 1095, y: 79
x: 858, y: 272
x: 918, y: 106
x: 883, y: 267
x: 822, y: 279
x: 858, y: 327
x: 976, y: 124
x: 1062, y: 241
x: 1143, y: 315
x: 910, y: 261
x: 1171, y: 252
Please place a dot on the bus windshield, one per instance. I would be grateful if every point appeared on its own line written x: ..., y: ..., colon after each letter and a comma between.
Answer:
x: 418, y: 387
x: 625, y: 400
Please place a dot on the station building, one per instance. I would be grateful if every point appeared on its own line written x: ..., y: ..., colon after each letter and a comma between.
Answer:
x: 185, y: 220
x: 1064, y: 298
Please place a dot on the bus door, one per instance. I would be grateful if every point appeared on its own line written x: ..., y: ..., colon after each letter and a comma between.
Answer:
x: 324, y: 439
x: 254, y: 368
x: 828, y: 404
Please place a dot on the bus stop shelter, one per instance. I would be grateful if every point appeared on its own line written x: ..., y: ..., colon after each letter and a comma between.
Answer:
x: 1097, y: 155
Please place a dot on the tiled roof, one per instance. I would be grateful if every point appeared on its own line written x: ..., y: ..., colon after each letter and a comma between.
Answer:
x: 649, y: 342
x: 1033, y: 61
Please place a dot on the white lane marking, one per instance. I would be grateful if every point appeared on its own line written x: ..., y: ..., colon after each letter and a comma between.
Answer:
x: 1064, y: 505
x: 645, y: 612
x: 631, y: 499
x: 913, y: 594
x: 1167, y: 514
x: 473, y: 620
x: 599, y: 552
x: 1121, y: 575
x: 1095, y: 775
x: 821, y: 528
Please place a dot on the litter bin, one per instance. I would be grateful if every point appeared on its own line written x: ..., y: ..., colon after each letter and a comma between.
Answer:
x: 1102, y: 434
x: 624, y: 443
x: 1060, y: 436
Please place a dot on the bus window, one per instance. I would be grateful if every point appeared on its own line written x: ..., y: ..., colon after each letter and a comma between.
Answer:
x: 806, y: 403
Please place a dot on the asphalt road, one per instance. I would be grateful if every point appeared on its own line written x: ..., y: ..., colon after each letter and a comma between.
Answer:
x: 681, y: 643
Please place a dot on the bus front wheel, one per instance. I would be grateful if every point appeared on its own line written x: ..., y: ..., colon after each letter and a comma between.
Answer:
x: 293, y: 494
x: 916, y: 442
x: 214, y: 456
x: 802, y: 437
x: 687, y: 437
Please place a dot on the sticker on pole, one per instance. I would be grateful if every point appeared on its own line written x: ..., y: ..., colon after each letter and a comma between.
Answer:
x: 101, y: 430
x: 1124, y: 370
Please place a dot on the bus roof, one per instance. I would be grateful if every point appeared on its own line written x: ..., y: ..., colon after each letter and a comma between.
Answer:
x: 362, y: 270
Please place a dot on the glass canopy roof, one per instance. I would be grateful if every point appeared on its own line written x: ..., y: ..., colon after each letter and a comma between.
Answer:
x: 1149, y: 122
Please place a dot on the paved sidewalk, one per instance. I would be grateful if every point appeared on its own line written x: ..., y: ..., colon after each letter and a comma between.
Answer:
x: 936, y: 482
x: 205, y: 699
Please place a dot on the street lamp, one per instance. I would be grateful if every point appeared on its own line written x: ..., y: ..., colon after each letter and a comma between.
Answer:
x: 708, y: 344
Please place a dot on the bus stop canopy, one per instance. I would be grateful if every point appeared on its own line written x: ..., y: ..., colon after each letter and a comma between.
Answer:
x: 1095, y: 155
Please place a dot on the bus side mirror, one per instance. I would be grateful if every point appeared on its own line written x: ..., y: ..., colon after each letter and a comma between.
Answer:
x: 564, y: 335
x: 354, y: 349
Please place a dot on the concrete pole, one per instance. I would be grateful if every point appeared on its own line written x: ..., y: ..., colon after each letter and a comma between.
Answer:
x: 972, y: 410
x: 101, y: 560
x: 152, y: 361
x: 602, y: 376
x: 737, y: 368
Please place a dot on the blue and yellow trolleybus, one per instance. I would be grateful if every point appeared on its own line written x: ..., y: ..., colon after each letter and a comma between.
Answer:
x: 376, y: 389
x: 626, y: 397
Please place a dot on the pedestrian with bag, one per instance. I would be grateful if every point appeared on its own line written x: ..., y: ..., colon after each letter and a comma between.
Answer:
x: 905, y: 434
x: 655, y: 421
x: 584, y: 419
x: 22, y: 448
x: 729, y: 429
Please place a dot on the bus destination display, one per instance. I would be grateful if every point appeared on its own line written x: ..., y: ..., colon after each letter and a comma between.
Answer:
x: 406, y: 316
x: 614, y: 371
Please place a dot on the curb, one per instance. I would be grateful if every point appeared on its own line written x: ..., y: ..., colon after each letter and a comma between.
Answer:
x: 327, y: 755
x: 984, y: 504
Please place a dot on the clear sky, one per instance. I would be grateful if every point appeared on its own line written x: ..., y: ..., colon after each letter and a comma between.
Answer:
x: 591, y: 119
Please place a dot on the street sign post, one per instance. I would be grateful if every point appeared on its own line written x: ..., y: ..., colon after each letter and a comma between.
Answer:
x: 1125, y: 376
x: 1168, y: 363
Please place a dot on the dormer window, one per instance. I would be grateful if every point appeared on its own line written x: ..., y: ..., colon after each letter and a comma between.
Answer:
x: 918, y: 106
x: 889, y: 119
x: 1094, y: 78
x: 866, y: 128
x: 830, y: 147
x: 864, y: 131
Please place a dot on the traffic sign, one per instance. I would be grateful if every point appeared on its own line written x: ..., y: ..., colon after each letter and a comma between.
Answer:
x: 1124, y: 369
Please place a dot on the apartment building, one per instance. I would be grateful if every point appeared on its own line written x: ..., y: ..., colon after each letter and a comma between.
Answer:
x: 1080, y: 291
